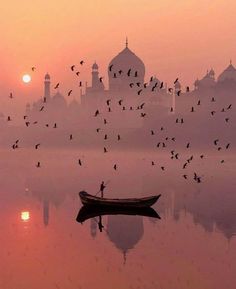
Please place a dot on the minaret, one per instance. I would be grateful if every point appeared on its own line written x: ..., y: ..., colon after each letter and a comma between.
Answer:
x: 96, y: 83
x: 47, y: 86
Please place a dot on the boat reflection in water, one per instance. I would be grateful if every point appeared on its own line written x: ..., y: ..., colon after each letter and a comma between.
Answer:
x: 88, y: 212
x: 124, y: 225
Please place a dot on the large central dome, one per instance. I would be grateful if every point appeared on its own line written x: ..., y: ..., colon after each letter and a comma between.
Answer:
x: 124, y: 69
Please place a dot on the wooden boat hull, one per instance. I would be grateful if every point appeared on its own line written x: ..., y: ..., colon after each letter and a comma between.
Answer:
x: 88, y: 212
x: 89, y: 200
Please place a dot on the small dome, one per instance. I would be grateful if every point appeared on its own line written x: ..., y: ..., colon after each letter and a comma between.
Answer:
x: 47, y: 76
x: 177, y: 85
x: 95, y: 66
x: 228, y: 74
x: 211, y: 73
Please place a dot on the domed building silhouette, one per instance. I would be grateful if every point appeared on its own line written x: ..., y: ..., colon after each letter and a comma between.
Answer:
x: 125, y: 231
x: 125, y: 68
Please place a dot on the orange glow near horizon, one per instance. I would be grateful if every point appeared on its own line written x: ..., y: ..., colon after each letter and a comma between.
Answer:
x: 25, y: 216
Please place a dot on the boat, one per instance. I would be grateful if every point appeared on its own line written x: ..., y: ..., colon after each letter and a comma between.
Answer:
x: 88, y: 212
x: 90, y: 200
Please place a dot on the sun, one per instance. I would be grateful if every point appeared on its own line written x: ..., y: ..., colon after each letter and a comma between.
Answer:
x: 26, y: 78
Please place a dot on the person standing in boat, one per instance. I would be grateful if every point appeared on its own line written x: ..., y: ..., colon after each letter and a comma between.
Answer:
x: 102, y: 187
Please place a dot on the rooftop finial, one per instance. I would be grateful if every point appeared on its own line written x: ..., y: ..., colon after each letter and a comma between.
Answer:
x: 126, y: 42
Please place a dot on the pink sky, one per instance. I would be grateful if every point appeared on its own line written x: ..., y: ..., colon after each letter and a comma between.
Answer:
x: 174, y: 38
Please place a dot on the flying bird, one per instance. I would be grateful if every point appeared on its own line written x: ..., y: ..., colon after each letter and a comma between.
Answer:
x: 69, y: 93
x: 57, y: 85
x: 37, y: 146
x: 72, y: 67
x: 81, y: 62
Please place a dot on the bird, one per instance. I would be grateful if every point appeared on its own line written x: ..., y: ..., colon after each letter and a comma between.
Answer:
x: 37, y: 146
x: 105, y: 137
x: 105, y: 150
x: 44, y: 99
x: 108, y: 102
x: 177, y: 156
x: 72, y: 67
x: 118, y: 137
x: 69, y: 93
x: 120, y: 71
x: 173, y: 138
x: 8, y: 118
x: 115, y: 167
x: 104, y: 121
x: 229, y: 107
x: 227, y: 119
x: 185, y: 165
x: 188, y: 145
x: 27, y: 123
x: 77, y: 73
x: 153, y: 163
x: 199, y: 102
x: 213, y: 99
x: 216, y: 141
x: 185, y: 176
x: 182, y: 120
x: 41, y: 108
x: 192, y: 109
x: 163, y: 168
x: 114, y: 75
x: 152, y: 132
x: 187, y: 89
x: 109, y: 109
x: 227, y: 146
x: 162, y: 84
x: 71, y: 136
x: 176, y: 81
x: 213, y: 112
x: 98, y: 129
x: 11, y: 95
x: 143, y: 114
x: 171, y: 109
x: 81, y: 62
x: 138, y: 84
x: 219, y: 148
x: 178, y: 92
x: 139, y: 92
x: 80, y: 84
x: 201, y: 156
x: 142, y: 105
x: 162, y: 128
x: 136, y: 74
x: 177, y: 120
x: 57, y: 85
x: 129, y: 72
x: 110, y: 67
x: 55, y: 125
x: 79, y: 162
x: 131, y: 84
x: 120, y: 101
x: 222, y: 161
x: 158, y: 145
x: 100, y: 79
x: 38, y: 165
x: 170, y: 90
x: 96, y: 113
x: 33, y: 68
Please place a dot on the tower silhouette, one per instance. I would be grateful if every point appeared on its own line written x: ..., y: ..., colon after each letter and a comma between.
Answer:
x: 47, y: 84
